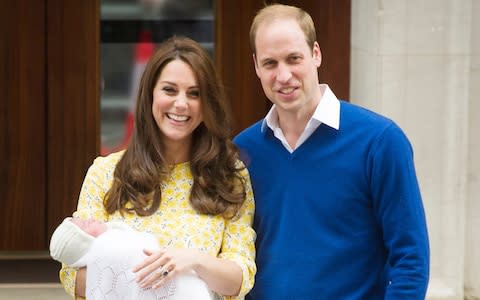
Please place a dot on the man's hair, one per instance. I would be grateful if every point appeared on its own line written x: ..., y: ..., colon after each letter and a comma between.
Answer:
x: 277, y: 11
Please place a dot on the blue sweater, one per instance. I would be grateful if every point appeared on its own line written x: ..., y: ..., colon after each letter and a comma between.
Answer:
x: 341, y: 217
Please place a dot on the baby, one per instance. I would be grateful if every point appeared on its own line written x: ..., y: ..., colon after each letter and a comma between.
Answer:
x: 109, y: 250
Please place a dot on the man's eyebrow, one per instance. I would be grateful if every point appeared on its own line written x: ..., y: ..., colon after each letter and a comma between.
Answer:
x: 295, y: 53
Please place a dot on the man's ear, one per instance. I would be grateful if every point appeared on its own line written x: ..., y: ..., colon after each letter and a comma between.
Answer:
x: 317, y: 54
x: 255, y: 64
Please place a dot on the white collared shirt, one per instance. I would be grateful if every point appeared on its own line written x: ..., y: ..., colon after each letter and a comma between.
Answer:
x: 327, y: 112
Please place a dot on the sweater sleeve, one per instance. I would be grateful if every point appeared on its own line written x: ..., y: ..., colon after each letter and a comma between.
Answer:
x: 90, y: 205
x: 399, y: 211
x: 239, y: 241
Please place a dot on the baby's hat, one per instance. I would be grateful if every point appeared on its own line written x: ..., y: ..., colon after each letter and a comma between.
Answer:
x: 69, y: 242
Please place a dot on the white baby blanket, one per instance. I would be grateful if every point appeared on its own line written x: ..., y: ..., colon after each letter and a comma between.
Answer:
x: 109, y: 270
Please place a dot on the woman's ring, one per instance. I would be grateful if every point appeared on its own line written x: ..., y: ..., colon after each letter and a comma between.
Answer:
x: 163, y: 271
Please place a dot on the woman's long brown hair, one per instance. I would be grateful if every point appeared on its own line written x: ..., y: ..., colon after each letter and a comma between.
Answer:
x: 217, y: 187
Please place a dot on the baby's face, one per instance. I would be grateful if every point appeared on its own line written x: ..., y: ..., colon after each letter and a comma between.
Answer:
x: 90, y: 226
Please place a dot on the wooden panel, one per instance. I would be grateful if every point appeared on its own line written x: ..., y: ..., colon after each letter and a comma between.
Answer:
x: 234, y: 58
x: 22, y: 125
x: 73, y: 101
x: 235, y: 63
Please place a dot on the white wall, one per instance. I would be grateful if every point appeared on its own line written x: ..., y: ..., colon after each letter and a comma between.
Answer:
x: 417, y: 61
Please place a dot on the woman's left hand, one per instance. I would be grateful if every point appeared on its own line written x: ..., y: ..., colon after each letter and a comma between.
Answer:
x: 162, y: 265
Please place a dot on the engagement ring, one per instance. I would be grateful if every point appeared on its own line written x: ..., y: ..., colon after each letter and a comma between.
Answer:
x: 163, y: 271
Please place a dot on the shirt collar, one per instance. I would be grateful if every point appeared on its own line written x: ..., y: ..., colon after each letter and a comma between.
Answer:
x: 327, y: 111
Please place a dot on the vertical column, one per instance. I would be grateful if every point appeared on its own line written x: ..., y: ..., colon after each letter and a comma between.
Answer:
x: 472, y: 256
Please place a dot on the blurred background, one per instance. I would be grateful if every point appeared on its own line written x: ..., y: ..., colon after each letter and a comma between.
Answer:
x: 130, y: 31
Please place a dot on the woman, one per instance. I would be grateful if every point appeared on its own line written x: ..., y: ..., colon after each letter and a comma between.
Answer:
x: 179, y: 178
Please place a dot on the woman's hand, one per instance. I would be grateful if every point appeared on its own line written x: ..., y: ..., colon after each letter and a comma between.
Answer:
x: 163, y: 265
x: 221, y: 276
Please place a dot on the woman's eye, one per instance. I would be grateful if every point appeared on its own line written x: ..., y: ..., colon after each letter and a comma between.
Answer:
x: 168, y: 90
x: 269, y: 64
x: 194, y: 94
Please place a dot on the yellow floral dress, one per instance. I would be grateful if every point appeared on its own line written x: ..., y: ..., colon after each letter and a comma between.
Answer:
x: 176, y: 224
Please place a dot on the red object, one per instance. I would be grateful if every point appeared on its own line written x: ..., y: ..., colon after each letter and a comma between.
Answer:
x: 144, y: 48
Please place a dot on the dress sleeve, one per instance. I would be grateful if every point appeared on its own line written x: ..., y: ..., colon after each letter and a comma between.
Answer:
x: 239, y: 240
x: 90, y: 205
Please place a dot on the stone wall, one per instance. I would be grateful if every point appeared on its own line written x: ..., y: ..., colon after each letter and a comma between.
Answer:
x: 418, y: 62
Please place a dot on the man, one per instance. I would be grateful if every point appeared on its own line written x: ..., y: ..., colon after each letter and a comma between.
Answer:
x: 338, y: 213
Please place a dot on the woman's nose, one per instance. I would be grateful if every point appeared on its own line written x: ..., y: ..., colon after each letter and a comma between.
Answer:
x: 181, y: 101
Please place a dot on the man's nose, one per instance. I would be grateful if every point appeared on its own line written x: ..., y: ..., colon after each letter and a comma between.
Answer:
x: 283, y: 73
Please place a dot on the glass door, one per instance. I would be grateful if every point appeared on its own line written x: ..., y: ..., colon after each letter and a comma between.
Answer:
x: 130, y: 32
